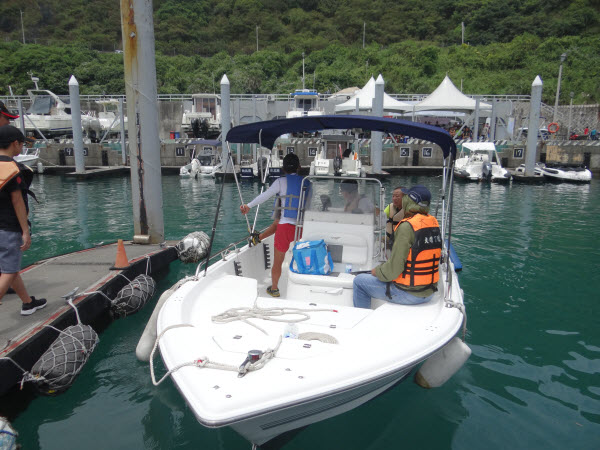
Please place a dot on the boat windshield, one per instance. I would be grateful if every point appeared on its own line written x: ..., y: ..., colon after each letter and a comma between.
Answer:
x: 41, y: 105
x: 345, y: 195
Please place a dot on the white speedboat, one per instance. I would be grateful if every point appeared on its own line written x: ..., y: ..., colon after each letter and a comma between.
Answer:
x: 337, y: 155
x: 271, y: 163
x: 264, y: 365
x: 50, y: 116
x: 109, y: 117
x: 480, y: 162
x: 569, y: 173
x: 304, y: 103
x: 29, y: 156
x: 204, y: 119
x: 537, y: 169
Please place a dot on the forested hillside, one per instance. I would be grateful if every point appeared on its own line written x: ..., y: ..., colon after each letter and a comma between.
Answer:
x: 413, y: 43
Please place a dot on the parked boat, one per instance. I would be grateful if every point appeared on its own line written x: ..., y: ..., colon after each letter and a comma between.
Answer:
x: 109, y: 117
x: 568, y: 173
x: 304, y: 103
x: 205, y: 156
x: 337, y: 155
x: 537, y: 169
x: 50, y: 116
x: 265, y: 366
x: 31, y: 158
x: 480, y: 162
x: 271, y: 163
x: 204, y: 119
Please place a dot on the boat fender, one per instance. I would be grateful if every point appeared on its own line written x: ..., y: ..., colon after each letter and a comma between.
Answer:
x: 57, y: 368
x: 442, y: 365
x: 193, y: 247
x: 8, y: 435
x: 148, y: 338
x: 134, y: 295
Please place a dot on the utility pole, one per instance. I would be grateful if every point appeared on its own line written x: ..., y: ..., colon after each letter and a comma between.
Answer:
x: 22, y: 27
x: 364, y: 31
x: 302, y: 70
x: 562, y: 60
x: 462, y: 27
x: 256, y: 37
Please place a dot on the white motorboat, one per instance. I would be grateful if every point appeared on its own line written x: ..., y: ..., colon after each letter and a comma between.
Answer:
x: 271, y: 163
x: 569, y: 173
x: 50, y: 116
x: 204, y: 119
x: 480, y: 162
x: 265, y: 366
x: 537, y: 169
x: 204, y: 158
x: 29, y: 156
x: 109, y: 117
x: 337, y: 156
x: 304, y: 103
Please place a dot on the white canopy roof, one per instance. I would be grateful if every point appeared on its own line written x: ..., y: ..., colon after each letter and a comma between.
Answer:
x: 447, y: 97
x: 365, y: 97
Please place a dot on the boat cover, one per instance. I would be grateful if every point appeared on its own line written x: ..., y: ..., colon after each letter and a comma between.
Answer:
x: 265, y: 133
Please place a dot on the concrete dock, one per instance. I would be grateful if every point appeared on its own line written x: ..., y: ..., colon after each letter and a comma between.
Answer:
x: 23, y: 339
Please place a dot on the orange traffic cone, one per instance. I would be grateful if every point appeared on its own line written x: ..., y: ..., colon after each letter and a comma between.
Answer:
x: 121, y: 262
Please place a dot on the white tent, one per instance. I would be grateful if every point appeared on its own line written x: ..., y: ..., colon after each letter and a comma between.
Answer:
x: 447, y: 97
x: 365, y: 97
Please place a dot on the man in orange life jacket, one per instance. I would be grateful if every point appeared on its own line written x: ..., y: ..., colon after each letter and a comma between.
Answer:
x: 410, y: 275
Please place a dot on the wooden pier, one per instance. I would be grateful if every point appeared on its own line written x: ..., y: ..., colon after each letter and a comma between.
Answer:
x: 23, y: 339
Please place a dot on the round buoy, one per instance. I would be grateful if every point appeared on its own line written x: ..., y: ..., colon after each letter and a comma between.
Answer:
x: 8, y: 435
x: 134, y: 295
x: 193, y: 247
x: 57, y: 368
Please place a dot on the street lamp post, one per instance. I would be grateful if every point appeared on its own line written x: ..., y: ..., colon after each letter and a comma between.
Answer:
x: 572, y: 94
x: 563, y: 57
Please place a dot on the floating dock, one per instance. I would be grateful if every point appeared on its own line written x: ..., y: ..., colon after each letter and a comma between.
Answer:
x: 23, y: 339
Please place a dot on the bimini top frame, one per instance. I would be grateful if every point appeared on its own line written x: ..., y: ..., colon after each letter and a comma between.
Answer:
x: 265, y: 133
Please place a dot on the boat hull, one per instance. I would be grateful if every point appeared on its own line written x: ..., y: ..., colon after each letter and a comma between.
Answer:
x: 265, y: 427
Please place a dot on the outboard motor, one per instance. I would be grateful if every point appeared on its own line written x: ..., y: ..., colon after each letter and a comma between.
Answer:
x: 337, y: 165
x: 261, y: 166
x: 486, y: 171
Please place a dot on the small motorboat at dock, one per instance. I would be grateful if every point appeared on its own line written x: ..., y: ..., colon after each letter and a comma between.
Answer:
x: 265, y: 366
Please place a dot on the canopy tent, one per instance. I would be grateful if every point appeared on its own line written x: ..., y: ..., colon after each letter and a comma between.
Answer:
x: 365, y: 97
x: 265, y: 133
x: 447, y: 97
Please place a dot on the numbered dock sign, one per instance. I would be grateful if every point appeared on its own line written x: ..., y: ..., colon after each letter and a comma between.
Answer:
x: 69, y: 151
x: 405, y: 151
x: 427, y: 152
x: 518, y: 153
x: 312, y: 151
x: 290, y: 150
x: 180, y: 151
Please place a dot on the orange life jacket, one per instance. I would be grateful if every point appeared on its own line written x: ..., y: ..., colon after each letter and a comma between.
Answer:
x: 422, y: 263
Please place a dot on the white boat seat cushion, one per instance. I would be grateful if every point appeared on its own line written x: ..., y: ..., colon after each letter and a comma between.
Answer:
x: 354, y: 249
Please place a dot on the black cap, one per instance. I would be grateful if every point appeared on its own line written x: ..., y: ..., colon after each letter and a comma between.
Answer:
x: 6, y: 113
x: 10, y: 134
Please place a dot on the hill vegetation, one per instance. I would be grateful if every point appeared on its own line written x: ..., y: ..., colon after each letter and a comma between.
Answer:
x: 413, y: 43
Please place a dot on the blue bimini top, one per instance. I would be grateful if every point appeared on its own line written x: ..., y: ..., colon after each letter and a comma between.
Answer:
x: 265, y: 133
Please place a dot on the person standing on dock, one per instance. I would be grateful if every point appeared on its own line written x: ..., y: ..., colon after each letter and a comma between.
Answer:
x: 14, y: 227
x: 288, y: 189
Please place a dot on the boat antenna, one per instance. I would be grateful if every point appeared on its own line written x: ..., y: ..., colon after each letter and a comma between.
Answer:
x: 302, y: 70
x: 238, y: 186
x: 264, y: 178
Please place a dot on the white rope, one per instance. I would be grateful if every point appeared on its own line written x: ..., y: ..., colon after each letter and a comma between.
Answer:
x: 461, y: 308
x: 273, y: 314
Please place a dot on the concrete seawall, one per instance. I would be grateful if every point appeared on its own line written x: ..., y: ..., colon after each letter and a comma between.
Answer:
x: 413, y: 153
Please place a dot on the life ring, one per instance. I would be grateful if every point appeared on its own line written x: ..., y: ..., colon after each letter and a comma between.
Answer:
x: 553, y: 127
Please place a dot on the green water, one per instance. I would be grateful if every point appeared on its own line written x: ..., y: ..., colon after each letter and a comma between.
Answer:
x: 531, y: 278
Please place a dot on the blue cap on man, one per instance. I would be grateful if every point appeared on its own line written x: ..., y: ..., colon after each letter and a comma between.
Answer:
x: 419, y: 194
